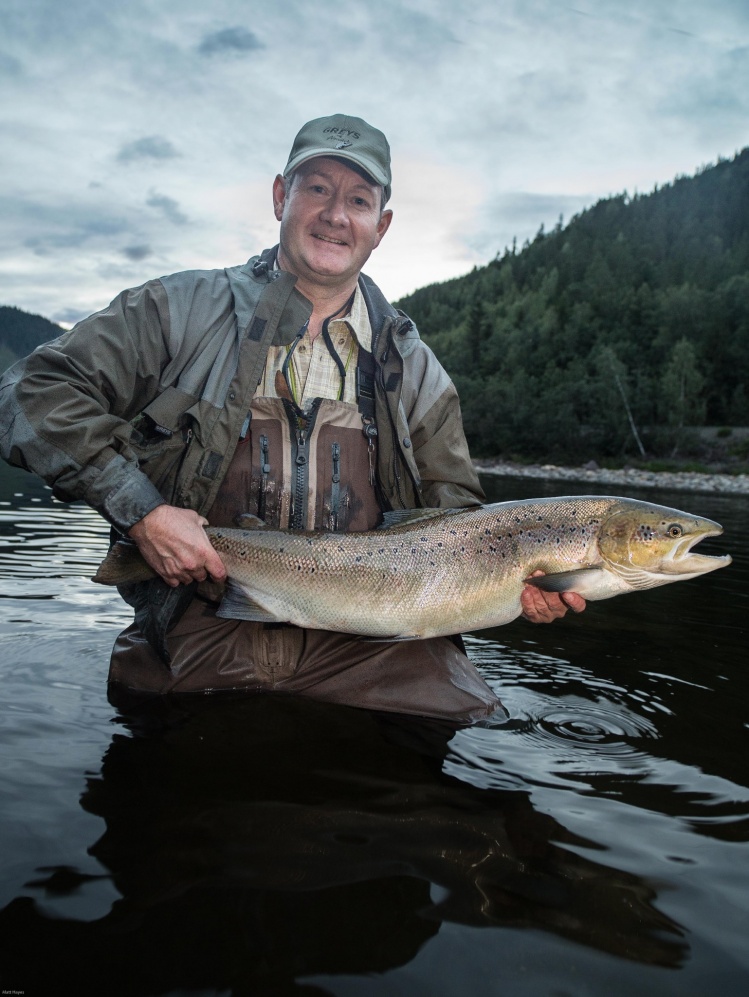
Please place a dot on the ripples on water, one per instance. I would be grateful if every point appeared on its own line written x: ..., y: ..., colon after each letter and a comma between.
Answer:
x: 277, y: 846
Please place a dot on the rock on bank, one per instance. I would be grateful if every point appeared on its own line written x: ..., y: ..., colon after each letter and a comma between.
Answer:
x: 688, y: 481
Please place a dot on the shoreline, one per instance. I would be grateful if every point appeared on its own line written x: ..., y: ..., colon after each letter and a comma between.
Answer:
x: 687, y: 481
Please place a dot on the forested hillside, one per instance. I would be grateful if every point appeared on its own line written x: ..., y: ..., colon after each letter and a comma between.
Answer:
x: 608, y: 336
x: 20, y: 333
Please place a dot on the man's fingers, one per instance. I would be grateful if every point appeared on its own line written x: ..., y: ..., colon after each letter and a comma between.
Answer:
x: 534, y: 605
x: 174, y: 543
x: 214, y: 566
x: 544, y: 607
x: 574, y: 601
x: 540, y: 606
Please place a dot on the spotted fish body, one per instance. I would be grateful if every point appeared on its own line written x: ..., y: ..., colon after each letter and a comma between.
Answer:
x: 436, y: 572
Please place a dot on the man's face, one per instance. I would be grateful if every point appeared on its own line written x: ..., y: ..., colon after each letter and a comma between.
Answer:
x: 330, y: 222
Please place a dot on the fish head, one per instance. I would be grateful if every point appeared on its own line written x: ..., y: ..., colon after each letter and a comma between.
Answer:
x: 650, y: 545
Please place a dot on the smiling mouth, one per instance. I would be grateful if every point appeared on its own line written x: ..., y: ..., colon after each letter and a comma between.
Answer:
x: 333, y: 242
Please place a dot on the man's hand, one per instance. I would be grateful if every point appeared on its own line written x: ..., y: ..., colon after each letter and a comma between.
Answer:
x: 175, y: 545
x: 543, y: 607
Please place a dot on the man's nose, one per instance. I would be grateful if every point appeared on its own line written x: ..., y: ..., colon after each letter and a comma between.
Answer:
x: 336, y: 211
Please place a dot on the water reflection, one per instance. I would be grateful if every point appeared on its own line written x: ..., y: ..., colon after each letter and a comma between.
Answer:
x: 287, y: 838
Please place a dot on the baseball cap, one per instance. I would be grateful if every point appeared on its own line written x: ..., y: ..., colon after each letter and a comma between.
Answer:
x: 344, y: 137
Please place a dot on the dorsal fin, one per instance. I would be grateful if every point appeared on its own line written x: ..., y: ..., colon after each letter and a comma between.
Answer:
x: 406, y: 517
x: 246, y: 521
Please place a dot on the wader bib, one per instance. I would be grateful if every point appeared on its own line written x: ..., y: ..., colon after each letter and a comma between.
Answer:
x: 311, y: 473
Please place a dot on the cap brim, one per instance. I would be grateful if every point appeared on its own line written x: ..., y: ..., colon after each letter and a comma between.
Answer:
x: 366, y: 164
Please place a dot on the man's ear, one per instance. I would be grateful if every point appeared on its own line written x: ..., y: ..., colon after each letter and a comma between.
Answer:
x: 279, y: 196
x: 383, y: 225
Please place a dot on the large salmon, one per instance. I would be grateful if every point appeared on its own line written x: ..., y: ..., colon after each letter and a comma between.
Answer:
x: 433, y: 572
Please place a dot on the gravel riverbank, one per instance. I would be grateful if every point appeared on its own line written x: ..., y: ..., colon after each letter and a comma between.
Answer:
x: 688, y: 481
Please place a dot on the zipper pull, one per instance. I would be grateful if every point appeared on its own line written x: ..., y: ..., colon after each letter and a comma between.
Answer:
x: 370, y: 432
x: 301, y: 458
x: 335, y: 488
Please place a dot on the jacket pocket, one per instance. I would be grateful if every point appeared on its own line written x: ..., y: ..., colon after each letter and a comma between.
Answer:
x: 159, y: 453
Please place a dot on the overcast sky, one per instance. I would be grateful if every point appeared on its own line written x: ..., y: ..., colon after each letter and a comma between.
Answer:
x: 141, y: 137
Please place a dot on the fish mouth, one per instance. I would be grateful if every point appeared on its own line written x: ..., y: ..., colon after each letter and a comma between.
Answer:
x: 683, y: 560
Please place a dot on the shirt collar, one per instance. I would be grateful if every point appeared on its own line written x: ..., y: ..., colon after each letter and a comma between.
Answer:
x: 357, y: 321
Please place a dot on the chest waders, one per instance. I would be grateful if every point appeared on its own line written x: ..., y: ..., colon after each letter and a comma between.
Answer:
x: 306, y: 470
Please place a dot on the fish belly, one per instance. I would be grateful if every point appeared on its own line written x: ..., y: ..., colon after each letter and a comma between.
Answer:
x: 379, y: 592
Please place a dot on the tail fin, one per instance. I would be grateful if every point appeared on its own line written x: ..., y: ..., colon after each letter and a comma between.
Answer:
x: 123, y: 564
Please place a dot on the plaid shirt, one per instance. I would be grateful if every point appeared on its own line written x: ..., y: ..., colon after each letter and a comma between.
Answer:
x: 313, y: 372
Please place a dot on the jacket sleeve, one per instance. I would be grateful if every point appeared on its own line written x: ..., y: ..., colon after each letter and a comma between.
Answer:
x: 65, y: 410
x: 440, y: 451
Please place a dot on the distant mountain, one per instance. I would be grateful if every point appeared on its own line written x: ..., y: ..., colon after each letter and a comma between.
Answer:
x: 610, y: 335
x: 21, y: 332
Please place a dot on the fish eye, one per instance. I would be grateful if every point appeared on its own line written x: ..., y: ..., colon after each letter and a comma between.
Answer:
x: 674, y: 530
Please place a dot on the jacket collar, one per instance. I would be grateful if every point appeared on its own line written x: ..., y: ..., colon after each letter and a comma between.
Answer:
x: 381, y: 312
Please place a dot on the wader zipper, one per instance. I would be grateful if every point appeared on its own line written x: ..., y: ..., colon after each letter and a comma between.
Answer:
x: 335, y: 490
x: 264, y: 472
x: 301, y: 426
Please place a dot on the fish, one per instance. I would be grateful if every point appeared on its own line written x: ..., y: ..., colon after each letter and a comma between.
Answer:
x: 436, y: 572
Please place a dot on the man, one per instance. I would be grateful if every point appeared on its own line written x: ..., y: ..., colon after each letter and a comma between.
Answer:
x: 287, y: 387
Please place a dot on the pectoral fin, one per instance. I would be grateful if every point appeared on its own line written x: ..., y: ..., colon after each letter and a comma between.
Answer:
x: 237, y: 605
x: 585, y: 581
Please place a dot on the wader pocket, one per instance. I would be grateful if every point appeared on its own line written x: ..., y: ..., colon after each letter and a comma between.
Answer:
x: 345, y: 499
x: 265, y: 493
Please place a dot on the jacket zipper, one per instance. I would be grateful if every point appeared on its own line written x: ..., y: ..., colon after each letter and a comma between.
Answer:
x: 178, y: 498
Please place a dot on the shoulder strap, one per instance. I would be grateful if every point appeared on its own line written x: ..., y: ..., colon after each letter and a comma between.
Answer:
x: 365, y: 384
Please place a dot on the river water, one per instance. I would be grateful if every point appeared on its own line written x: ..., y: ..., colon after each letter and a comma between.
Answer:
x: 596, y: 843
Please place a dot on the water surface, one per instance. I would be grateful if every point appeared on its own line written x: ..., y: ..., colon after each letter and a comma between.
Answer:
x: 594, y: 843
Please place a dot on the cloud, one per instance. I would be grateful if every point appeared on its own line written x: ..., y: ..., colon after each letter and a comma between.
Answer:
x: 168, y: 207
x: 150, y: 147
x: 61, y: 230
x: 67, y: 317
x: 232, y: 41
x: 518, y: 215
x: 712, y: 94
x: 9, y: 65
x: 137, y: 253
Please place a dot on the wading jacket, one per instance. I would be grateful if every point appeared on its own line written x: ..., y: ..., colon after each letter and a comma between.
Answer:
x: 144, y: 402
